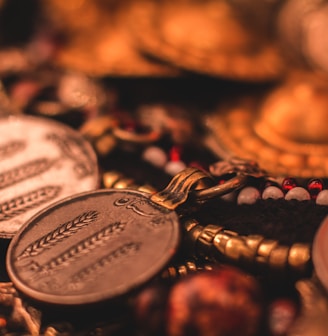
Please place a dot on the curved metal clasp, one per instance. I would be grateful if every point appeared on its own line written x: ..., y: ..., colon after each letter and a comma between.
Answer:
x: 240, y: 167
x: 183, y: 183
x: 177, y: 191
x: 234, y: 183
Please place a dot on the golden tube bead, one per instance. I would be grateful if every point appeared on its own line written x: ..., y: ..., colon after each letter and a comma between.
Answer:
x: 110, y: 177
x: 221, y: 239
x: 238, y: 250
x: 299, y: 257
x: 279, y: 257
x: 254, y: 241
x: 264, y: 251
x: 124, y: 183
x: 205, y: 239
x: 194, y: 230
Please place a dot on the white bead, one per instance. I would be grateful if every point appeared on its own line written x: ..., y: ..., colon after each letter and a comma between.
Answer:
x: 248, y: 195
x: 298, y: 193
x: 155, y: 155
x: 174, y: 167
x: 272, y: 192
x: 322, y: 198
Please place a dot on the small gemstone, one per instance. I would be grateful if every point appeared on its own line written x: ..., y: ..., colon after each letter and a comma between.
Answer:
x: 297, y: 193
x: 322, y: 198
x: 175, y: 153
x: 248, y: 195
x: 314, y: 187
x: 288, y: 183
x: 174, y: 167
x: 272, y: 192
x: 198, y: 165
x: 130, y: 126
x: 155, y: 155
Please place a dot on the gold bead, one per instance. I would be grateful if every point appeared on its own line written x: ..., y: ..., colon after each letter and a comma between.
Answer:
x: 254, y: 241
x: 110, y: 177
x: 238, y: 250
x: 279, y: 257
x: 124, y: 183
x: 221, y: 239
x: 205, y: 239
x: 264, y: 251
x: 299, y: 256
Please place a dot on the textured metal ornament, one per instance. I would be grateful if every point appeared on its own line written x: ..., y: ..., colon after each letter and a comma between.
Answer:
x: 209, y: 37
x: 101, y: 42
x: 285, y: 131
x: 41, y: 161
x: 92, y: 247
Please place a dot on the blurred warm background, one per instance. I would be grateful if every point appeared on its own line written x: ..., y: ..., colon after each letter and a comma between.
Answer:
x: 254, y: 72
x: 158, y: 85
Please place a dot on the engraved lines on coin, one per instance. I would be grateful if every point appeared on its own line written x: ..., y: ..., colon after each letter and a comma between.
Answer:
x: 76, y: 251
x: 24, y: 172
x: 22, y: 203
x: 88, y: 273
x: 74, y: 150
x: 63, y: 231
x: 144, y: 208
x: 11, y: 148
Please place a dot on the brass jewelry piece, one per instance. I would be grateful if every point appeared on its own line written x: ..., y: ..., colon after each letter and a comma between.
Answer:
x: 215, y: 243
x: 173, y: 272
x: 276, y: 129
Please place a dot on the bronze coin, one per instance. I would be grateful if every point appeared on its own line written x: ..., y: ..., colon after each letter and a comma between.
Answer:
x: 41, y: 161
x: 92, y: 247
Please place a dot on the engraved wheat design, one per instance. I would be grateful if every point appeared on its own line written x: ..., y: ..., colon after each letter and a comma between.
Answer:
x: 83, y: 247
x: 25, y: 171
x: 22, y: 203
x: 121, y: 251
x: 65, y: 230
x: 69, y: 146
x: 11, y: 148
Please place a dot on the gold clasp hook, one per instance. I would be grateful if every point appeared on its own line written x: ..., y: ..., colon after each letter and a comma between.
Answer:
x: 241, y: 168
x: 192, y: 181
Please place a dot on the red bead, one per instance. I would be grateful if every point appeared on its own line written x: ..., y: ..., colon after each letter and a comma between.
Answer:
x: 196, y: 164
x: 223, y: 301
x: 314, y: 187
x: 288, y: 183
x: 130, y: 126
x: 175, y: 153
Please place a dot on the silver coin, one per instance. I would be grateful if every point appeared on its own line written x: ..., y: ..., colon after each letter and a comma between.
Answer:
x: 41, y: 161
x: 320, y: 253
x: 92, y: 247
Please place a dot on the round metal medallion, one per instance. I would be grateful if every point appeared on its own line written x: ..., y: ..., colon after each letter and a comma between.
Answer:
x: 41, y: 161
x: 92, y: 247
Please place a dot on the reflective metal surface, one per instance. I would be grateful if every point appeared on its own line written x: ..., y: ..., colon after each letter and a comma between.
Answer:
x: 42, y: 161
x: 92, y: 247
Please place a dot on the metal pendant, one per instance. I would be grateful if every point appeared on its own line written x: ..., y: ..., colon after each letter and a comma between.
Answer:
x: 98, y: 245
